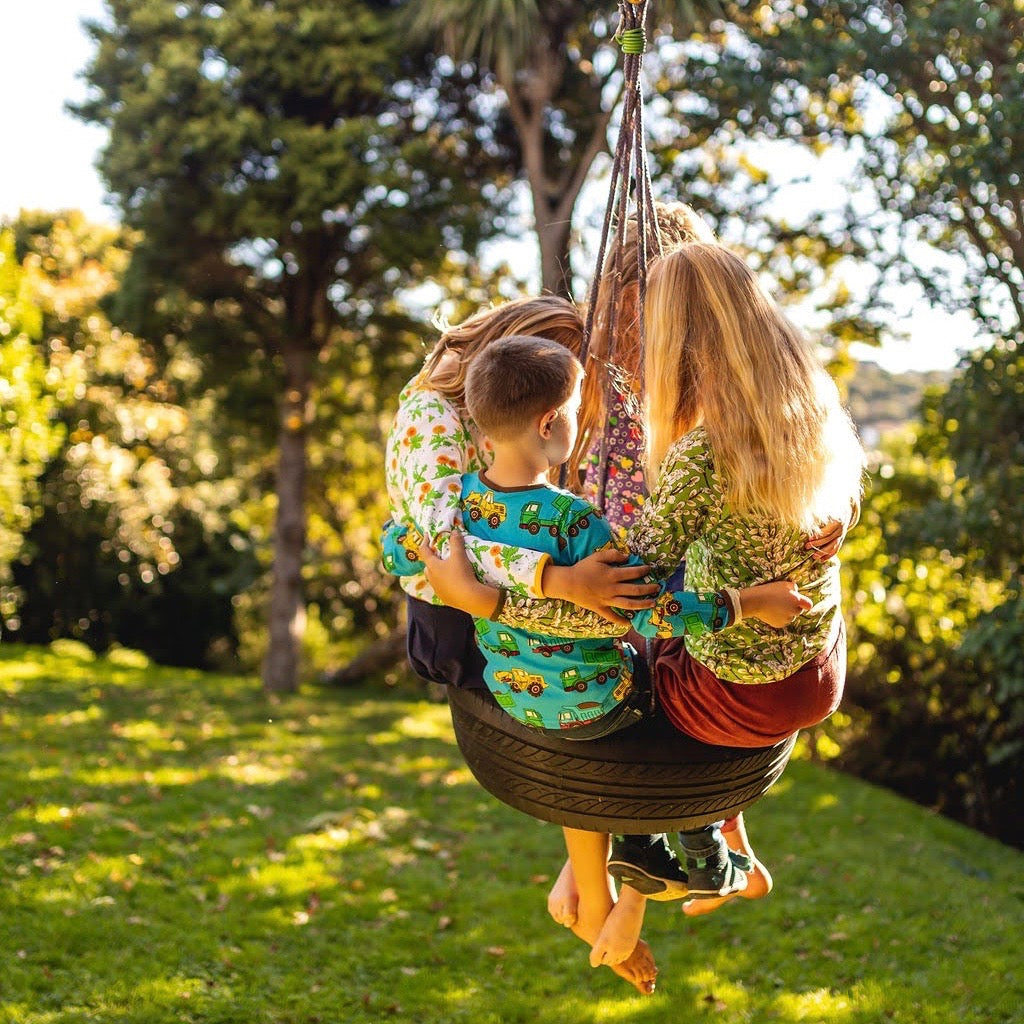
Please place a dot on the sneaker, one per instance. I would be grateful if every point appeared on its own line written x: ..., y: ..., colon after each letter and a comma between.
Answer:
x: 720, y: 872
x: 649, y: 865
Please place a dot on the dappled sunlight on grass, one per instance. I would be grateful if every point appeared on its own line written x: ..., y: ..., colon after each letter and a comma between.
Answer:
x: 716, y: 991
x: 108, y: 775
x: 824, y: 801
x: 256, y: 772
x: 277, y: 867
x: 433, y: 727
x: 49, y: 814
x: 77, y: 717
x: 820, y: 1006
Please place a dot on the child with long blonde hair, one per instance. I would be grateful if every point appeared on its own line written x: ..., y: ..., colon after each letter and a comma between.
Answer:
x: 752, y: 450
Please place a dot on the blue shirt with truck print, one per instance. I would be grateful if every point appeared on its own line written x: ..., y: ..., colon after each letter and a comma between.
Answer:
x: 553, y: 682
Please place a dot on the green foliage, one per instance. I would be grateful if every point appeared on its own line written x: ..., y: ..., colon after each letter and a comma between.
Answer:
x: 290, y: 166
x: 936, y: 686
x: 981, y: 418
x: 29, y: 399
x: 176, y: 846
x: 927, y: 96
x: 880, y: 402
x: 134, y: 540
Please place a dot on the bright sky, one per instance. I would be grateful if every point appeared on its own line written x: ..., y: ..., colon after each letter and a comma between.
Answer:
x: 51, y: 164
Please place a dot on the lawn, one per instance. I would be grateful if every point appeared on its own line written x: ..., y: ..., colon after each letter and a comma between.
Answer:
x: 177, y: 848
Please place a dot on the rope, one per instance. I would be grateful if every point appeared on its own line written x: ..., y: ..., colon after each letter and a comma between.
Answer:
x: 629, y: 166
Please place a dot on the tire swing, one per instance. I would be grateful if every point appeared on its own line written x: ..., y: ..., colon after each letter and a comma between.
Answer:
x: 649, y: 777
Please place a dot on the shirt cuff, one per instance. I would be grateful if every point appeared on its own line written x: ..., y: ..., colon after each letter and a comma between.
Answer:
x: 538, y: 581
x: 733, y: 597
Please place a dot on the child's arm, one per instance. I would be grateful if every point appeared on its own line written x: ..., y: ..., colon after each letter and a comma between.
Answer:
x: 693, y: 612
x: 676, y: 612
x: 430, y: 449
x: 826, y: 544
x: 669, y: 521
x: 456, y: 584
x: 399, y: 547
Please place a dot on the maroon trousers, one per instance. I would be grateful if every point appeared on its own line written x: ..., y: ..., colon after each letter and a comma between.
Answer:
x: 727, y: 714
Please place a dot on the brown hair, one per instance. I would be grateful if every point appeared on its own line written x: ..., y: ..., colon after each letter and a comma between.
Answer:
x: 546, y: 316
x: 620, y: 357
x: 514, y: 380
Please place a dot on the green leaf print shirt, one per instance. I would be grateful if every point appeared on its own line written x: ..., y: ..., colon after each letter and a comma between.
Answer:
x: 687, y: 517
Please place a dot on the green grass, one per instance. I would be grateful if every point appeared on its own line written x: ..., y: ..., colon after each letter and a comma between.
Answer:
x: 177, y: 848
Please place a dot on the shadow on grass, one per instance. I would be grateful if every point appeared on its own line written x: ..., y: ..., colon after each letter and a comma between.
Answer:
x: 176, y: 847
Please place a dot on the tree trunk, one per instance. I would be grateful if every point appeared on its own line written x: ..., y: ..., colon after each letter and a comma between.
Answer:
x: 554, y: 191
x: 375, y: 658
x: 287, y: 617
x: 553, y: 234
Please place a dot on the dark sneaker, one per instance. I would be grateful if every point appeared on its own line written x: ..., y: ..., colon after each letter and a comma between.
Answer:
x: 720, y: 872
x: 649, y: 865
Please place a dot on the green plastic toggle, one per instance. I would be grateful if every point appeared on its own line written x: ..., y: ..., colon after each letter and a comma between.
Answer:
x: 632, y: 40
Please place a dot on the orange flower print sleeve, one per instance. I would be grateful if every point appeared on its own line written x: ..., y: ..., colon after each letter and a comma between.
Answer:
x: 429, y: 447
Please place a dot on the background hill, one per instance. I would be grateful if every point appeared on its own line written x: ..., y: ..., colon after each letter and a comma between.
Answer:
x: 880, y: 401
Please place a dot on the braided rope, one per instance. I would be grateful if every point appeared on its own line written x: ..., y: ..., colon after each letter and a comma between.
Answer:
x: 629, y: 165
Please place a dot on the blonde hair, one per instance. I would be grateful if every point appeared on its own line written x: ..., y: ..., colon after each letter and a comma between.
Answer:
x: 721, y: 353
x: 546, y: 316
x: 515, y: 380
x: 620, y: 357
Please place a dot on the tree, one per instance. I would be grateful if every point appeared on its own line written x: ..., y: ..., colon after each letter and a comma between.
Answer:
x: 30, y: 397
x: 135, y: 538
x: 930, y: 95
x: 557, y: 78
x: 933, y: 574
x: 290, y: 166
x: 553, y: 72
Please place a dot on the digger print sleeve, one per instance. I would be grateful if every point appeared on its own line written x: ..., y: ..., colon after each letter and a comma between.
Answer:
x: 432, y: 448
x: 399, y: 549
x: 684, y: 613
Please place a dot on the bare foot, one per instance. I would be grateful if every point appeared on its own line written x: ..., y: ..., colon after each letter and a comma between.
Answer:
x: 621, y: 930
x: 759, y: 879
x: 564, y: 897
x: 638, y: 967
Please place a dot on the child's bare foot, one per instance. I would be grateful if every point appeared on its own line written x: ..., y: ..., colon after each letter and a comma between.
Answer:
x: 638, y: 967
x: 759, y: 879
x: 564, y: 897
x: 620, y: 932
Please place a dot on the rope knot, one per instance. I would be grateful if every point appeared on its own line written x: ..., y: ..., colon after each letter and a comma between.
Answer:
x: 632, y: 40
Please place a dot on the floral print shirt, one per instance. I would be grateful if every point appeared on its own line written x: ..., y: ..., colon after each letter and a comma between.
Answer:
x: 687, y: 516
x: 617, y: 456
x: 430, y: 446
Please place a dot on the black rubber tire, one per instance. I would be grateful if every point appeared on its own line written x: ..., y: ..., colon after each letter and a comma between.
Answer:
x: 647, y: 778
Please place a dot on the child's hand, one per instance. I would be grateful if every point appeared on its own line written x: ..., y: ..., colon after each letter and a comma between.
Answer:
x: 776, y: 604
x: 601, y: 583
x: 827, y: 543
x: 454, y: 581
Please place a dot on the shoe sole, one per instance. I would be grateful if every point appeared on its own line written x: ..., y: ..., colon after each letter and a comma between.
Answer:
x: 710, y: 894
x: 651, y: 886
